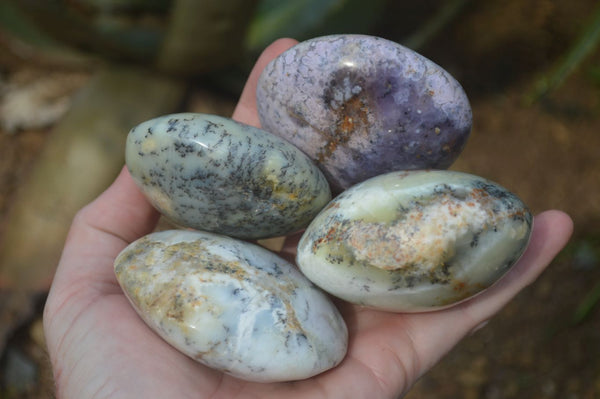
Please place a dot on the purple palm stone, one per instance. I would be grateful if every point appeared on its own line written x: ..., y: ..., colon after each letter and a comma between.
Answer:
x: 361, y: 106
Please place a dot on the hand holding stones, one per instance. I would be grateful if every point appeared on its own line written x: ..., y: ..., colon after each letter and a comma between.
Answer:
x: 404, y: 240
x: 99, y: 347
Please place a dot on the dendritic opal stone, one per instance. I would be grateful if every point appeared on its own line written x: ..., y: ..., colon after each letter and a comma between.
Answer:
x: 415, y: 240
x: 361, y: 106
x: 215, y: 174
x: 231, y: 305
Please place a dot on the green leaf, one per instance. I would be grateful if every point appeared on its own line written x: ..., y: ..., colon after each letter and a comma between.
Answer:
x: 275, y: 19
x: 13, y: 21
x: 587, y: 305
x: 304, y: 19
x: 431, y: 28
x: 579, y: 51
x: 355, y: 16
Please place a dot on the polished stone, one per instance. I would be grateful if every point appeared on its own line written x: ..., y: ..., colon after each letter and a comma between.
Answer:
x: 361, y: 106
x: 415, y: 240
x: 214, y: 174
x: 232, y: 306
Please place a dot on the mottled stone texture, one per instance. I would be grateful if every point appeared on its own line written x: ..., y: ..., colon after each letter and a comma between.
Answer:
x: 415, y: 240
x: 214, y: 174
x: 361, y: 106
x: 232, y: 306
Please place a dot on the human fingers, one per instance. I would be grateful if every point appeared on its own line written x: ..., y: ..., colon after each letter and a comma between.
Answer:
x: 245, y: 110
x: 85, y: 274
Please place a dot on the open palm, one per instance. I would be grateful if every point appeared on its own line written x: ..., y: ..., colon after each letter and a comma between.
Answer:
x: 100, y: 348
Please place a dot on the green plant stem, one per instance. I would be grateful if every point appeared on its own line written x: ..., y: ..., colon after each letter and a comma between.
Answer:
x: 583, y: 47
x: 439, y: 21
x: 587, y: 305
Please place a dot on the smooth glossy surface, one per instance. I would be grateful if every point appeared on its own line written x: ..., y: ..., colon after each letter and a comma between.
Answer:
x: 214, y: 174
x: 232, y: 306
x: 415, y: 241
x: 361, y: 106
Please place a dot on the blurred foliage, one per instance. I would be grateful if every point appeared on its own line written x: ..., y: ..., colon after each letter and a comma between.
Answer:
x: 303, y: 19
x: 134, y: 30
x: 221, y: 25
x: 578, y: 52
x: 121, y: 29
x: 430, y: 29
x: 140, y: 31
x: 13, y: 21
x: 131, y: 5
x: 587, y: 305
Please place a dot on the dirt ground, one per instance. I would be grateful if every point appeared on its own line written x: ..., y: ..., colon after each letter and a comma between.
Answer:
x: 546, y: 342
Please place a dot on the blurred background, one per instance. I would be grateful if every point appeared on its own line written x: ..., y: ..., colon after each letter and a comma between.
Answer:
x: 76, y: 75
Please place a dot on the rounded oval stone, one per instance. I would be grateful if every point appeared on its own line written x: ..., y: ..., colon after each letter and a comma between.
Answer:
x: 215, y: 174
x: 231, y: 305
x: 361, y: 106
x: 415, y: 240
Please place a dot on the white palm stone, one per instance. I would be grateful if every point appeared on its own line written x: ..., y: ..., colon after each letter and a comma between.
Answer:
x: 232, y: 306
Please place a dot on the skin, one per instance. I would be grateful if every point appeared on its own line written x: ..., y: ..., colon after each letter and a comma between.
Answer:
x: 100, y: 348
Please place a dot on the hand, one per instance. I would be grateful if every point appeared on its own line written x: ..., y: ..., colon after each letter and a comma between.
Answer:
x: 99, y: 347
